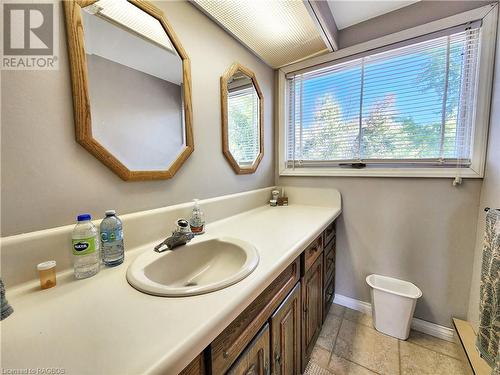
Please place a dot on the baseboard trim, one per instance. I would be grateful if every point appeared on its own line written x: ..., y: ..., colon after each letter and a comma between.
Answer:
x: 352, y: 303
x: 433, y: 329
x: 420, y: 325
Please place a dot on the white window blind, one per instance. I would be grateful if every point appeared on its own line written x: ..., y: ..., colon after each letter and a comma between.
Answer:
x: 406, y: 105
x: 243, y: 124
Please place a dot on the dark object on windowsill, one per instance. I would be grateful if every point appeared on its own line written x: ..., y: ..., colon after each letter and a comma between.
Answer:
x: 283, y: 201
x: 6, y: 309
x: 352, y: 165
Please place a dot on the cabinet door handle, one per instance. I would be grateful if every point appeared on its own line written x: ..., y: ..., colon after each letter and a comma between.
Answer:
x: 251, y: 370
x: 277, y: 358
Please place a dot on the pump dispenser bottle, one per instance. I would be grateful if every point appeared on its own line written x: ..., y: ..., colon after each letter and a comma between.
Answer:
x: 197, y: 221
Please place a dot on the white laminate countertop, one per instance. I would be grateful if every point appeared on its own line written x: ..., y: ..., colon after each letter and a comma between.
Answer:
x: 102, y: 325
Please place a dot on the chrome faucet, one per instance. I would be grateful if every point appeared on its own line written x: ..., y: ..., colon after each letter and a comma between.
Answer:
x: 181, y: 236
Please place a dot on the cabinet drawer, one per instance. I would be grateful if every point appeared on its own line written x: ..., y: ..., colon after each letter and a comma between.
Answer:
x: 329, y: 233
x: 329, y: 295
x: 232, y: 341
x: 255, y: 359
x: 329, y: 263
x: 312, y: 252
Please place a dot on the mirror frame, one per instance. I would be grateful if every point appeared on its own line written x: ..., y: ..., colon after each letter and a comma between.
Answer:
x: 224, y: 79
x: 81, y: 100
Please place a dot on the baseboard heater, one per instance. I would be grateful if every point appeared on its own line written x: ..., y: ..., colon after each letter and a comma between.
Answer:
x: 466, y: 340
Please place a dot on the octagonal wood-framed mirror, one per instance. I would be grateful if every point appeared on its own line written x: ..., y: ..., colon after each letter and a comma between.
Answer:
x: 242, y: 113
x: 131, y: 83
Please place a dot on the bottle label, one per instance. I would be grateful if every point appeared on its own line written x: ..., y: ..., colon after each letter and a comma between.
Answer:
x: 198, y: 229
x: 112, y: 235
x: 84, y: 246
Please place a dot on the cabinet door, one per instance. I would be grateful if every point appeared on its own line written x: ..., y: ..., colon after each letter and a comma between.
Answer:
x: 255, y: 359
x: 328, y: 295
x: 285, y: 335
x: 312, y: 313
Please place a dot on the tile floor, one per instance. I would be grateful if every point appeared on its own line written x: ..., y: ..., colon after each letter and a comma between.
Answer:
x: 349, y: 345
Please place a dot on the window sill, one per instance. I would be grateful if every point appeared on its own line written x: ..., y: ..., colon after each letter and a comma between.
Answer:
x: 381, y: 172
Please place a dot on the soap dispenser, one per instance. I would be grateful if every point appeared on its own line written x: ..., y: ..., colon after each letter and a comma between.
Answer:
x: 197, y: 221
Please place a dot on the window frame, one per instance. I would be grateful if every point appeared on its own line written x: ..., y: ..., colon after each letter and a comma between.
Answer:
x: 489, y: 16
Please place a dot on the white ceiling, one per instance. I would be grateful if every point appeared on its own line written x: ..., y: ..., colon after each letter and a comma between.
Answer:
x: 350, y: 12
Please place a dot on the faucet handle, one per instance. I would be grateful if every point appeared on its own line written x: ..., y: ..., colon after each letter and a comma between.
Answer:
x: 182, y: 226
x: 158, y: 248
x: 178, y: 239
x: 180, y: 236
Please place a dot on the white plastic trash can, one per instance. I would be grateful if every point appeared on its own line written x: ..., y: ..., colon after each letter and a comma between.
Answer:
x: 393, y: 304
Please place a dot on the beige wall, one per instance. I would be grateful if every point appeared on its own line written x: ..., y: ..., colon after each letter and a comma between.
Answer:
x: 47, y: 178
x: 490, y: 191
x: 420, y: 230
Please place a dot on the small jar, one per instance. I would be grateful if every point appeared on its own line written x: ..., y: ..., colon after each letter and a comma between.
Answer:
x: 47, y: 273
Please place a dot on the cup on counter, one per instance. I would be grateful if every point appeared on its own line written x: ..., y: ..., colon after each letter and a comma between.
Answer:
x: 47, y: 273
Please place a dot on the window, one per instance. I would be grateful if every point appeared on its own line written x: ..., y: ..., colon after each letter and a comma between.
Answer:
x: 243, y: 124
x: 412, y: 104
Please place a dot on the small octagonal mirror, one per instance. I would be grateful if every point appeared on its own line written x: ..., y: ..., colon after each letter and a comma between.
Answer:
x: 242, y: 119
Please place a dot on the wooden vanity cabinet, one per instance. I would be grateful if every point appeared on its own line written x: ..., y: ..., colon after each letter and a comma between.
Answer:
x: 255, y: 358
x: 285, y: 335
x: 276, y: 333
x: 312, y: 308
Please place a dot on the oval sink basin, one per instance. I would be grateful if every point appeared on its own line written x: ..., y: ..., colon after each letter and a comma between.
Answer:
x: 202, y: 266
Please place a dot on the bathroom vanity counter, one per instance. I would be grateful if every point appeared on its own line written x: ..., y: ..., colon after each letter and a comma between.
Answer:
x: 102, y: 325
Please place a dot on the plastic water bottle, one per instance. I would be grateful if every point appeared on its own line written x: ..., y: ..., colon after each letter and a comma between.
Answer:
x: 85, y: 240
x: 112, y: 239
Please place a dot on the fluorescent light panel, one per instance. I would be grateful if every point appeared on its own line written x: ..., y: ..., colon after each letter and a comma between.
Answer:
x: 280, y: 32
